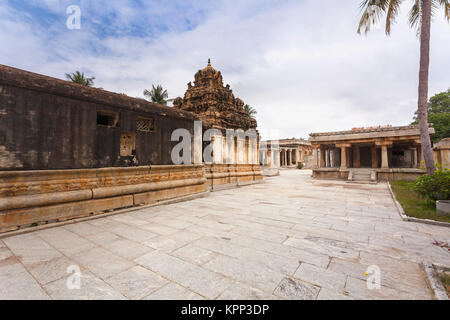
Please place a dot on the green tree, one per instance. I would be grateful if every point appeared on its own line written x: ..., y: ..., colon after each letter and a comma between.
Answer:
x: 157, y: 94
x: 420, y: 18
x: 439, y: 115
x: 80, y: 78
x: 250, y: 111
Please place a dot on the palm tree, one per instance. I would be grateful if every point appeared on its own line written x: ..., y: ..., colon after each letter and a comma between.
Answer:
x: 157, y: 94
x: 78, y: 77
x: 250, y: 111
x: 419, y: 18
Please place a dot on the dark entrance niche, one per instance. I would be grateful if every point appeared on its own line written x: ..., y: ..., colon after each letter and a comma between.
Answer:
x: 365, y: 157
x: 107, y: 118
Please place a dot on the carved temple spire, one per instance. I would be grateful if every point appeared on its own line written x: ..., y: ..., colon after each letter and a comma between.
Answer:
x: 214, y: 103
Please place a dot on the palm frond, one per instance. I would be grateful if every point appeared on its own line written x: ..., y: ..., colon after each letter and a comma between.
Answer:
x: 415, y: 14
x: 157, y: 94
x: 392, y: 13
x: 372, y: 11
x: 79, y: 78
x: 446, y: 5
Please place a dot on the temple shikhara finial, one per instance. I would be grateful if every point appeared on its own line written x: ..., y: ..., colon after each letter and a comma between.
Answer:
x: 214, y: 103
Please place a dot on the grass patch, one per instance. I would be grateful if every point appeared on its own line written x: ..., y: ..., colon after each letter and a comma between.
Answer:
x: 413, y: 204
x: 445, y: 279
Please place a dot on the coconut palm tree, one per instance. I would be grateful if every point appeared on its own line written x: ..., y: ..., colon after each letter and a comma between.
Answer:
x: 79, y: 77
x: 419, y: 18
x: 250, y: 111
x: 157, y: 94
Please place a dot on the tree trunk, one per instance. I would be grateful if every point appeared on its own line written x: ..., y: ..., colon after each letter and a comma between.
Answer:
x: 423, y: 86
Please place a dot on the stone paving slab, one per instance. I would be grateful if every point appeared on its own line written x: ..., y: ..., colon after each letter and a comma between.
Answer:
x: 290, y: 237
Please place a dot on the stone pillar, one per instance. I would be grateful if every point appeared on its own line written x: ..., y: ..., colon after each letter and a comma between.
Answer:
x: 276, y: 159
x: 414, y: 158
x: 217, y: 145
x: 333, y: 158
x: 240, y: 150
x: 343, y: 157
x: 231, y: 141
x: 316, y: 158
x: 356, y: 157
x: 290, y: 157
x: 322, y: 157
x: 225, y: 150
x: 374, y: 157
x: 198, y: 143
x: 384, y: 157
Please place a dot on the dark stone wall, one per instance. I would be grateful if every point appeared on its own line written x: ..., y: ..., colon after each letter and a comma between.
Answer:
x: 42, y: 127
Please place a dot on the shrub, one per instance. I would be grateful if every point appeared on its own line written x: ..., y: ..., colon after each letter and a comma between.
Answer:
x: 300, y: 166
x: 434, y: 187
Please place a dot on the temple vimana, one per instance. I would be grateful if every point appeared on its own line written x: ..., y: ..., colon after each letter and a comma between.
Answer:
x: 69, y: 151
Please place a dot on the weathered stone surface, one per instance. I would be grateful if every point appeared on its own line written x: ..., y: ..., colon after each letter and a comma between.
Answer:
x: 240, y: 291
x: 65, y: 241
x: 258, y: 276
x: 321, y: 277
x: 132, y: 233
x: 17, y: 283
x: 52, y: 270
x: 92, y: 288
x: 5, y: 253
x: 30, y: 249
x: 173, y: 291
x: 194, y: 254
x: 127, y: 249
x: 137, y: 282
x: 102, y: 263
x: 232, y: 245
x: 326, y: 294
x: 296, y: 290
x: 40, y: 196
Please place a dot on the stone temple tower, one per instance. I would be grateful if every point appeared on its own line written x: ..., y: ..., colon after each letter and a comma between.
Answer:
x: 214, y: 103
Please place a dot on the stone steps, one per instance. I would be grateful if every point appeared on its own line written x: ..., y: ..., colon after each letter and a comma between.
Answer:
x: 362, y: 176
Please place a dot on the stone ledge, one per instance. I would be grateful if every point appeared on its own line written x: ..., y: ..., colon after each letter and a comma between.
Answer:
x: 433, y: 280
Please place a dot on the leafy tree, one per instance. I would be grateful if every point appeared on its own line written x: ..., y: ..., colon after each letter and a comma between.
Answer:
x: 439, y: 115
x: 250, y: 111
x: 157, y: 94
x: 80, y: 78
x: 420, y: 18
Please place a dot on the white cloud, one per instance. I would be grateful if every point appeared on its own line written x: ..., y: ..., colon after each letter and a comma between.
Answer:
x: 299, y: 63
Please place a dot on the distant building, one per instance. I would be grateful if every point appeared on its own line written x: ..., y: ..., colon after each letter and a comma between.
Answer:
x: 442, y: 152
x: 291, y: 152
x: 383, y: 152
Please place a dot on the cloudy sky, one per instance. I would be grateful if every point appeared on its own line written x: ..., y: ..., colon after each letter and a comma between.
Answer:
x: 300, y: 63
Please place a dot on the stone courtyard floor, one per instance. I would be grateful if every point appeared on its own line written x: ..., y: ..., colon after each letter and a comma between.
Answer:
x: 290, y: 237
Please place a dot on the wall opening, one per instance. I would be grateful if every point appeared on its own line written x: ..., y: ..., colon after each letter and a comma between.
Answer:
x: 107, y: 118
x: 145, y: 124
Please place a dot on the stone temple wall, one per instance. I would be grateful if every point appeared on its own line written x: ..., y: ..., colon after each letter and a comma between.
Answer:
x: 69, y: 151
x: 46, y: 123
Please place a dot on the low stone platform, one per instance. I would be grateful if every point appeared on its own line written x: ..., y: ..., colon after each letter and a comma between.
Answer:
x: 291, y: 237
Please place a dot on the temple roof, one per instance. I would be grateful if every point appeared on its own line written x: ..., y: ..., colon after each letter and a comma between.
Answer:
x: 214, y: 103
x: 37, y: 82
